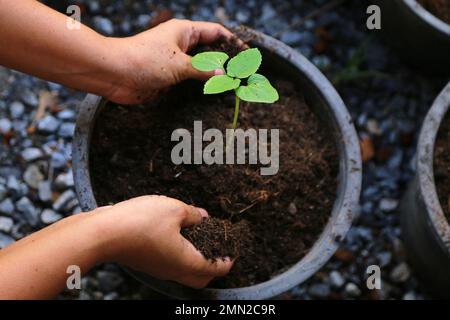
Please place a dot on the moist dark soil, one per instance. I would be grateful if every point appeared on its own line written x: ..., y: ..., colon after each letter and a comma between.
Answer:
x: 440, y: 8
x: 442, y: 165
x: 267, y: 223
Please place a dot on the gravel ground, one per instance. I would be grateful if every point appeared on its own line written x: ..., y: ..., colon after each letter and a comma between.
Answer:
x: 387, y: 99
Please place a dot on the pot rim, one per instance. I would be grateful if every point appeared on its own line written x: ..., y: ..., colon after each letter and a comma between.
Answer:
x: 428, y: 17
x: 425, y: 166
x: 344, y: 209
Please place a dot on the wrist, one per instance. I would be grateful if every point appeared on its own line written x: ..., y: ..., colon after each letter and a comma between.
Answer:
x: 121, y: 82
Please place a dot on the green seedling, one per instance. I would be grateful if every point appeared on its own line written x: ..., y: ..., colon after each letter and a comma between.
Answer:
x: 238, y: 69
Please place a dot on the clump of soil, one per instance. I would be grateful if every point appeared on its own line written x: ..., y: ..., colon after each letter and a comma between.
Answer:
x: 267, y: 222
x: 442, y: 165
x: 440, y: 8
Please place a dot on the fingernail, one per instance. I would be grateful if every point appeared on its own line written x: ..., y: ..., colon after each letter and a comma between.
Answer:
x: 218, y: 72
x: 203, y: 212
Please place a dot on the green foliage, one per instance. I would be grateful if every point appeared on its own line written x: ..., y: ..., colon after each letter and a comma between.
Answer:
x: 209, y: 61
x: 244, y: 65
x: 220, y: 83
x: 258, y: 89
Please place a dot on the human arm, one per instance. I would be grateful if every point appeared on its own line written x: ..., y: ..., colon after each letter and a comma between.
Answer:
x: 142, y: 233
x: 35, y: 40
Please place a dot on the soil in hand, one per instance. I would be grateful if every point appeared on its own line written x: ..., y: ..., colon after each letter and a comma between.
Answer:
x: 267, y: 223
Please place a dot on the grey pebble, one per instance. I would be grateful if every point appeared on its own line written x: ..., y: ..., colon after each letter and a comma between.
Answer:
x: 31, y: 154
x: 5, y: 126
x: 7, y: 207
x: 49, y: 216
x: 63, y: 199
x: 33, y: 176
x: 6, y: 224
x: 48, y: 124
x: 45, y: 191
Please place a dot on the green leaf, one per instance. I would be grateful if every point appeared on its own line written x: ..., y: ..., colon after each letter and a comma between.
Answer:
x: 220, y: 83
x: 244, y: 63
x: 209, y: 61
x: 258, y: 89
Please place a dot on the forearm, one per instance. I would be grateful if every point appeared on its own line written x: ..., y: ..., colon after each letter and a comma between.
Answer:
x: 36, y: 266
x: 35, y: 39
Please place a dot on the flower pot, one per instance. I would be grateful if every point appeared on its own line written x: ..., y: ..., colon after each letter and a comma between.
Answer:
x: 326, y: 104
x: 426, y: 230
x: 417, y: 34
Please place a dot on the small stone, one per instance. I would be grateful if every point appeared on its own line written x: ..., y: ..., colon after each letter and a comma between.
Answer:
x: 319, y: 290
x: 58, y: 160
x: 400, y: 273
x: 33, y: 176
x: 336, y: 279
x: 25, y: 206
x: 103, y: 25
x: 31, y: 154
x: 30, y: 98
x: 108, y: 281
x: 17, y: 109
x: 45, y: 191
x: 66, y: 130
x: 48, y: 124
x: 111, y: 296
x: 373, y: 127
x: 410, y: 295
x: 13, y: 184
x: 291, y: 37
x: 66, y: 114
x: 6, y: 224
x: 384, y: 258
x: 5, y: 126
x: 388, y: 205
x: 292, y: 209
x: 7, y: 207
x: 63, y: 199
x: 49, y: 216
x: 5, y: 240
x: 352, y: 290
x: 64, y: 180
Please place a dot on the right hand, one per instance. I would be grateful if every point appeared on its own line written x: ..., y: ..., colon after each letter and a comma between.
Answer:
x: 145, y: 233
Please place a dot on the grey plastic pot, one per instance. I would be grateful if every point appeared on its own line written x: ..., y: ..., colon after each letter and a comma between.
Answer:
x: 327, y: 104
x: 419, y: 36
x: 426, y: 230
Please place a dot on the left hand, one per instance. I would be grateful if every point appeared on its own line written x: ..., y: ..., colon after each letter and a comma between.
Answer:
x: 156, y: 59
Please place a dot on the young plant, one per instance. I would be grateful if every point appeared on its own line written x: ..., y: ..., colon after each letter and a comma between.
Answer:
x: 243, y: 66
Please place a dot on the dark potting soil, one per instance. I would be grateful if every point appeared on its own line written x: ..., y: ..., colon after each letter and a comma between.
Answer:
x: 267, y: 223
x: 440, y: 8
x: 442, y: 165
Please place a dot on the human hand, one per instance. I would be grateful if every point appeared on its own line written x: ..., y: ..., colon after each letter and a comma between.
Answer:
x: 157, y: 59
x: 146, y: 237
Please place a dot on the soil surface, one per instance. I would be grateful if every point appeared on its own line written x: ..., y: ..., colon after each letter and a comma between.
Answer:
x: 442, y: 165
x: 440, y: 8
x: 267, y: 222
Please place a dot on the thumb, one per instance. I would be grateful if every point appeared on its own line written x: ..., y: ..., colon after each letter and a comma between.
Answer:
x: 190, y: 72
x: 193, y: 216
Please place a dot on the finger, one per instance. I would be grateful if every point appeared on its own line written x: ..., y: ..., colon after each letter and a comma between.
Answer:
x: 193, y: 216
x: 218, y: 268
x: 209, y: 32
x: 199, y: 265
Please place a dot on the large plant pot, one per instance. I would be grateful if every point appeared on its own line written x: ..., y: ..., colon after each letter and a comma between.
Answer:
x: 327, y: 104
x: 417, y: 34
x: 426, y: 230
